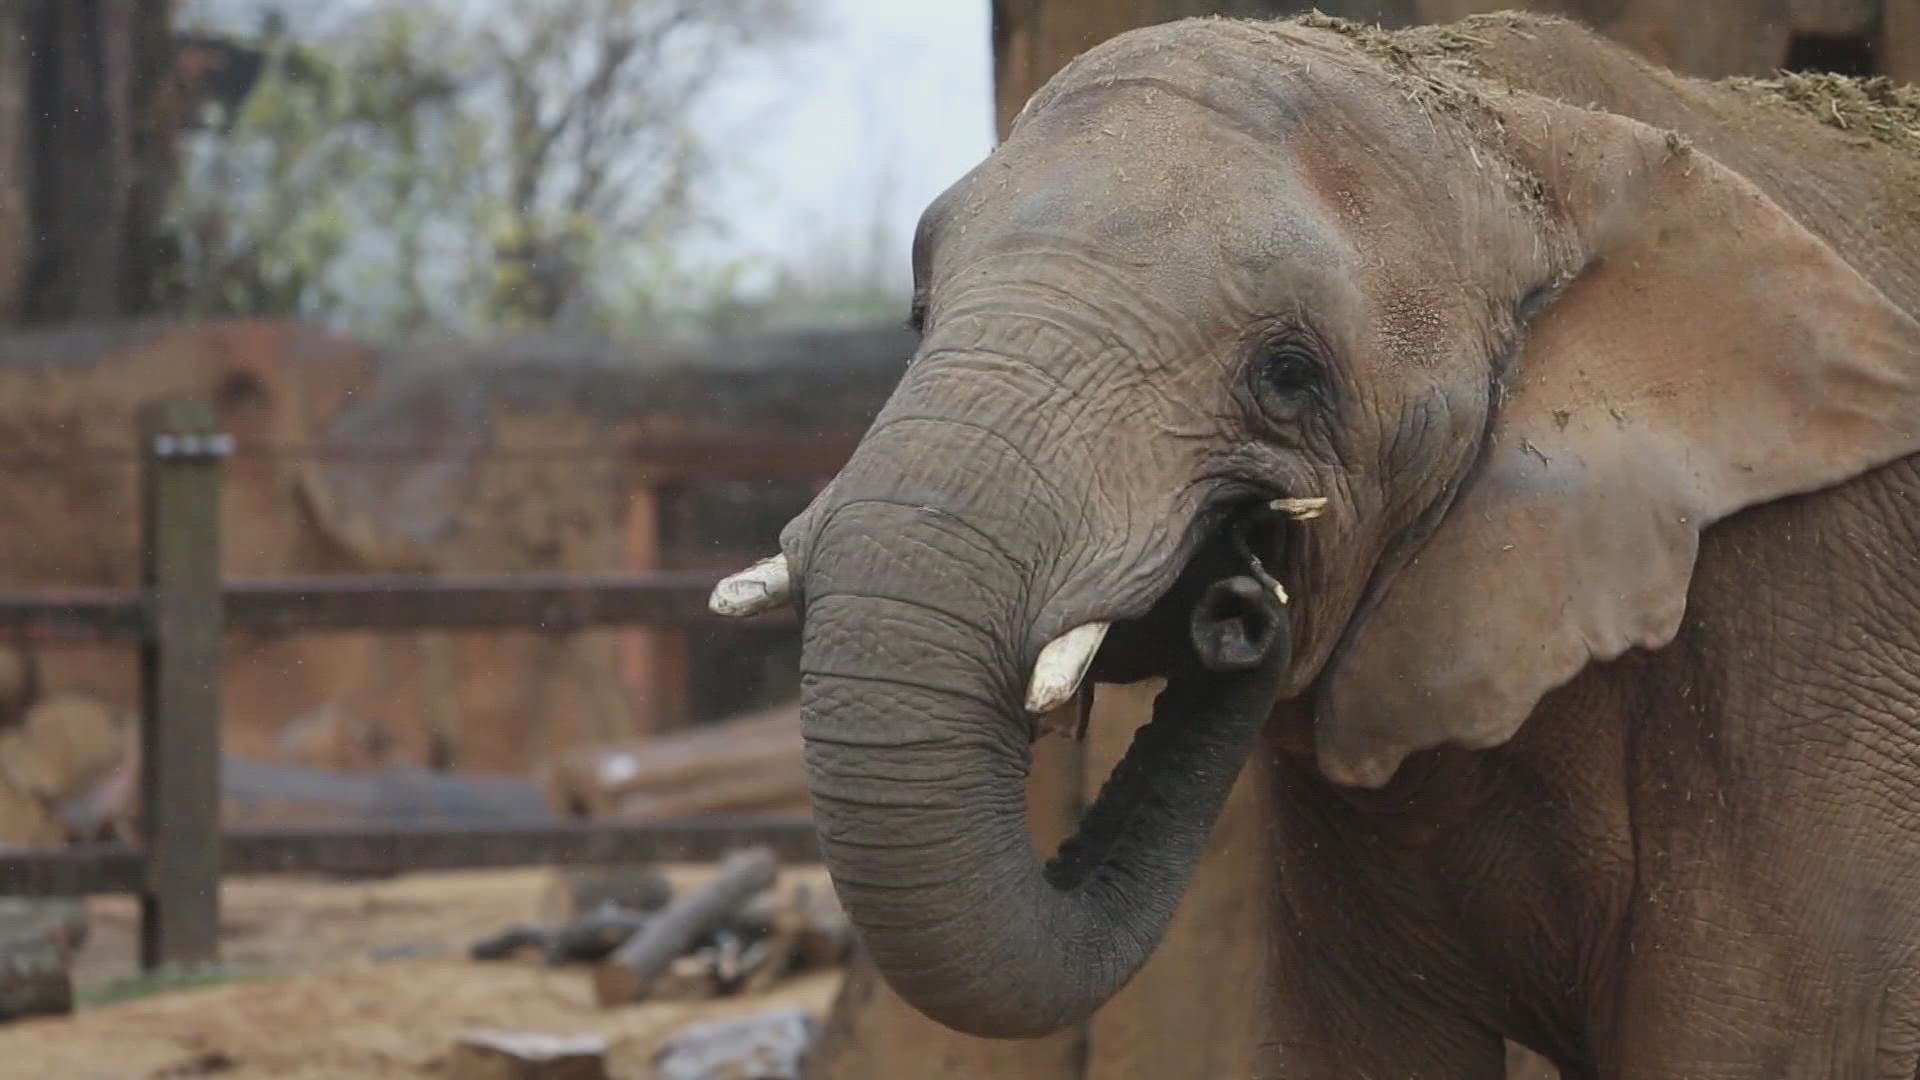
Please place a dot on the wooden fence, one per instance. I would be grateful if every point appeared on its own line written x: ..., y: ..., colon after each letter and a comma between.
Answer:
x: 177, y: 618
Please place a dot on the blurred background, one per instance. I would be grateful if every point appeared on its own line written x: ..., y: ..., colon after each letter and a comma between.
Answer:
x: 440, y: 264
x: 463, y: 276
x: 490, y: 287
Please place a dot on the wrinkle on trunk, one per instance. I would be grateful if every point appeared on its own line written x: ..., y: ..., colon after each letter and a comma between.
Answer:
x: 917, y: 753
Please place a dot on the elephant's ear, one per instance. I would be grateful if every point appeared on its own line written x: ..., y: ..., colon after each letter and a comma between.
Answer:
x: 1709, y: 354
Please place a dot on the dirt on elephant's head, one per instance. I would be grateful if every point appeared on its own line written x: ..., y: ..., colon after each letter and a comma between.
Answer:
x: 1437, y: 69
x: 1877, y: 110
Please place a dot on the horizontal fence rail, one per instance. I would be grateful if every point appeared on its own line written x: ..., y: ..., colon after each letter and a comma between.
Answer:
x: 177, y: 618
x: 72, y: 615
x: 553, y: 603
x: 652, y: 459
x: 549, y: 602
x: 97, y: 869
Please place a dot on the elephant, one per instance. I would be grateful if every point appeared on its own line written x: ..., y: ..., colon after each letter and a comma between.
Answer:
x: 1509, y: 444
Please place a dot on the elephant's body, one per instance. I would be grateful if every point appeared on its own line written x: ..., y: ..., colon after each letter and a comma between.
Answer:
x: 1702, y: 862
x: 1699, y: 862
x: 1571, y: 410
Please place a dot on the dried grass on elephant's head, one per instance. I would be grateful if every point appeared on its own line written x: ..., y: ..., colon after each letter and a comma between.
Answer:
x: 1437, y: 70
x: 1877, y: 110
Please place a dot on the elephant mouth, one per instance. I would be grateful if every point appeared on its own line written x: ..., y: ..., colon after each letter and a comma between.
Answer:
x: 1224, y: 615
x: 1248, y: 541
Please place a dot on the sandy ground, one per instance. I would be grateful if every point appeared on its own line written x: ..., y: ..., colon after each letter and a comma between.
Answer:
x: 348, y: 980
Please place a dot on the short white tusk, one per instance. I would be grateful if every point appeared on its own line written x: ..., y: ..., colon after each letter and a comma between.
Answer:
x: 1300, y: 509
x: 1062, y: 664
x: 759, y: 588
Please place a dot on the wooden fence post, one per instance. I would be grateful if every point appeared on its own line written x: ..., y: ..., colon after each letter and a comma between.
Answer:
x: 180, y: 456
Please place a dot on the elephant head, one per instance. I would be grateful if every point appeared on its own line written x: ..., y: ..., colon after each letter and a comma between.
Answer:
x: 1526, y: 352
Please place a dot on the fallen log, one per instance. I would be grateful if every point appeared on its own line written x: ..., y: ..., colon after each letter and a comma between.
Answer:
x: 694, y: 977
x: 749, y: 763
x: 259, y: 793
x: 587, y: 937
x: 576, y: 892
x: 628, y: 974
x: 769, y: 789
x: 593, y: 936
x: 770, y: 958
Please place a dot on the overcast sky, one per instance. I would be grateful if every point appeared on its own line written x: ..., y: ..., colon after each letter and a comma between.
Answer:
x: 891, y: 103
x: 888, y: 103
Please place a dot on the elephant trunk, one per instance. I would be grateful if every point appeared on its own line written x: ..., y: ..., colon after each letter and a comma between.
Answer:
x: 918, y: 748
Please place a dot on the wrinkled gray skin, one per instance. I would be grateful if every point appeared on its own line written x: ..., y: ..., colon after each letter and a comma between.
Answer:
x: 1596, y: 730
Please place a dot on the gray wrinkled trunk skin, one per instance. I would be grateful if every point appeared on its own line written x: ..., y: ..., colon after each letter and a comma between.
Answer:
x: 918, y: 751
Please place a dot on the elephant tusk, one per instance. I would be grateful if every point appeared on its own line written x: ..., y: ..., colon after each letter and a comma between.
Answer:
x: 1300, y: 509
x: 1062, y: 664
x: 758, y: 589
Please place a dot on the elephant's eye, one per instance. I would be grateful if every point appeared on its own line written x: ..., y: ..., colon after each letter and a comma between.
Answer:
x: 1289, y: 369
x: 1286, y: 377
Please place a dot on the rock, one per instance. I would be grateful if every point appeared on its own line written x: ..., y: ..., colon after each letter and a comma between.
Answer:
x: 525, y: 1055
x: 772, y: 1045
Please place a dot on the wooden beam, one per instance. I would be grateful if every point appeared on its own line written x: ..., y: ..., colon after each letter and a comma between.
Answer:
x: 71, y: 615
x: 554, y: 603
x: 86, y: 870
x: 781, y: 458
x: 97, y: 869
x: 180, y: 683
x: 465, y: 847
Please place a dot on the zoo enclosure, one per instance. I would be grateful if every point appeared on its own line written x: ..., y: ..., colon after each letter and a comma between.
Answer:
x: 178, y: 617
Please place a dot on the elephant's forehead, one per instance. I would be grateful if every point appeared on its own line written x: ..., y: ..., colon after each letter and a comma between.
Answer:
x: 1144, y: 192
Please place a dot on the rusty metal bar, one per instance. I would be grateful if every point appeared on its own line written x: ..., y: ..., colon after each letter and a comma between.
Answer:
x: 548, y: 602
x: 95, y: 869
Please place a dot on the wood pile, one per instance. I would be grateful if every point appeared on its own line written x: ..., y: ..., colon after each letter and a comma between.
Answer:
x: 61, y: 746
x: 735, y: 934
x: 750, y: 764
x: 38, y: 939
x: 52, y: 747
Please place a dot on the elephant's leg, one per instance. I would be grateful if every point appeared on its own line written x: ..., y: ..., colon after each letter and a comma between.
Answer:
x: 1350, y: 1015
x: 1365, y: 979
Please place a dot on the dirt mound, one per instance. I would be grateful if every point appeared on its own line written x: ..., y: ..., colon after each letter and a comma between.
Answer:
x: 329, y: 979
